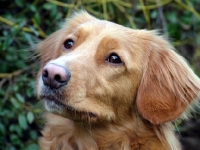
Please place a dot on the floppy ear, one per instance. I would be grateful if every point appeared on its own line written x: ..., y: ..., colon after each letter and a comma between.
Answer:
x: 168, y: 85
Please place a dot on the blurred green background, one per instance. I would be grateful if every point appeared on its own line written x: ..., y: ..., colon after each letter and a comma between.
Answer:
x: 23, y: 23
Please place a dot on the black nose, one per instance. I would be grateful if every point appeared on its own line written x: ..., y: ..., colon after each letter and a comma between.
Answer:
x: 55, y: 76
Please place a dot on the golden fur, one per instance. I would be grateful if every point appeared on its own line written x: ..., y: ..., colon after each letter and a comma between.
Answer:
x: 127, y: 106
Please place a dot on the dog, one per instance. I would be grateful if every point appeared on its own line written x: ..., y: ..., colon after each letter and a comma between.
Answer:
x: 109, y: 87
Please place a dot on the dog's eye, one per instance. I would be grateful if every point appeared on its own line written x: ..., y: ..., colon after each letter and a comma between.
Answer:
x: 68, y: 44
x: 114, y: 58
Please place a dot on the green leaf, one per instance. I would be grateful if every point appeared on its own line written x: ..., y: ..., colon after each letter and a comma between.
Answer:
x: 34, y: 31
x: 37, y: 17
x: 29, y: 38
x: 154, y: 14
x: 20, y: 98
x: 2, y: 129
x: 33, y: 135
x: 19, y: 3
x: 48, y: 6
x: 174, y: 31
x: 15, y: 128
x: 32, y: 8
x: 33, y: 147
x: 172, y: 17
x: 7, y: 42
x: 20, y: 64
x: 22, y: 121
x: 30, y: 117
x: 14, y: 139
x: 15, y: 103
x: 15, y: 88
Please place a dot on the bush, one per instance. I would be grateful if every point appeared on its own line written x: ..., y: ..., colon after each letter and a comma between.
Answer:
x: 27, y: 22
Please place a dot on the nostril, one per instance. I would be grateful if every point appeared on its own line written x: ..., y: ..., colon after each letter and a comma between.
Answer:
x: 45, y: 77
x: 58, y: 78
x: 45, y: 73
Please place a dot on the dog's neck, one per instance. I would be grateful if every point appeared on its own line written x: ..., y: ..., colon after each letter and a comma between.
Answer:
x: 70, y: 135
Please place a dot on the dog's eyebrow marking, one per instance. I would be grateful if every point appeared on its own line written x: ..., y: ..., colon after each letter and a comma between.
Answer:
x: 110, y: 43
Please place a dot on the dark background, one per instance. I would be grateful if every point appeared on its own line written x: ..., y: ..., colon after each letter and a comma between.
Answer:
x: 24, y: 22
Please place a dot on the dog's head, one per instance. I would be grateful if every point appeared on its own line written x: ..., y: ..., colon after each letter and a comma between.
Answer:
x: 97, y: 70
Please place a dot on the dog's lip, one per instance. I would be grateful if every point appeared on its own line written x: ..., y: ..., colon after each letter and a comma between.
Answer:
x: 74, y: 113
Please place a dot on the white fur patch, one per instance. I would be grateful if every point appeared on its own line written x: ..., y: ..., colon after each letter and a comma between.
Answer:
x: 53, y: 107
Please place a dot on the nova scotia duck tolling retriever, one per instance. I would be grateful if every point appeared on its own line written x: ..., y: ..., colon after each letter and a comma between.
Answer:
x: 108, y: 87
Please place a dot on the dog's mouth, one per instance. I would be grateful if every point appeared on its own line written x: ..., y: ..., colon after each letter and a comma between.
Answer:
x: 52, y: 104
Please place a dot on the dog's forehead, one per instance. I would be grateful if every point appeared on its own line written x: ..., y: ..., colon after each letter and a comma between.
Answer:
x: 104, y: 34
x: 100, y: 28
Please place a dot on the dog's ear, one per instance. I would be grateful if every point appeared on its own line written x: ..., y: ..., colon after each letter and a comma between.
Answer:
x: 168, y: 85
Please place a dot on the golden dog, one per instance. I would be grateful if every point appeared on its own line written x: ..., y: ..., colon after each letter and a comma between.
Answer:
x: 108, y: 87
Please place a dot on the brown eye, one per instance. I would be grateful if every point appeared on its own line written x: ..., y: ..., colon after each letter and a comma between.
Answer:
x: 114, y: 58
x: 68, y: 44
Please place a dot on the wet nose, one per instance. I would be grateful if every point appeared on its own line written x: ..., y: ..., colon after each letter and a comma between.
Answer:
x: 55, y: 76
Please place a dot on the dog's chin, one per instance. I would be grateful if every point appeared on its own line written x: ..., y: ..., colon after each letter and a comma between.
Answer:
x: 56, y: 107
x: 53, y: 106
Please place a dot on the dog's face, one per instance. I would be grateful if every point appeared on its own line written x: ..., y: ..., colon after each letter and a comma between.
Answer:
x: 98, y: 57
x: 97, y: 70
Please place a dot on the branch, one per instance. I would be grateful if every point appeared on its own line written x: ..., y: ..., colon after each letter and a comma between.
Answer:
x: 26, y: 29
x: 15, y: 73
x: 191, y: 9
x: 160, y: 4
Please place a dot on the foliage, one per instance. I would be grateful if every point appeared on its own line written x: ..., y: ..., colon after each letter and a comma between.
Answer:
x: 27, y: 22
